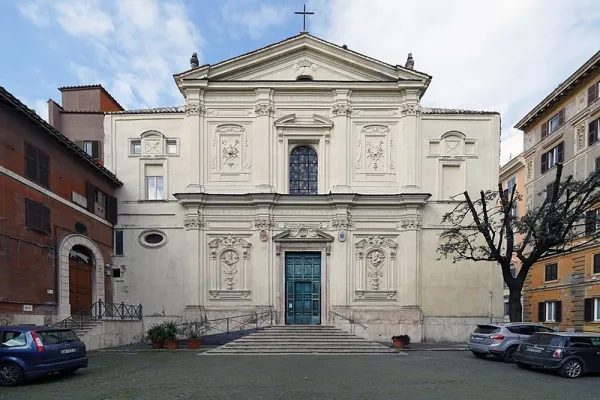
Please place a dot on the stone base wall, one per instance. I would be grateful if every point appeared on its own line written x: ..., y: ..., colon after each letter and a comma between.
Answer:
x: 453, y: 329
x: 114, y: 333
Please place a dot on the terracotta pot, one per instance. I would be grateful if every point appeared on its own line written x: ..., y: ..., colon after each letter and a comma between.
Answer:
x: 194, y: 344
x: 398, y: 344
x: 172, y: 344
x: 158, y: 345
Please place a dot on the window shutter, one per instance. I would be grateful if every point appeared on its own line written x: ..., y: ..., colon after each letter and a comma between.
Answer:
x: 588, y: 310
x: 544, y: 129
x: 91, y: 196
x: 95, y: 149
x: 558, y: 311
x: 596, y: 266
x: 119, y: 243
x: 541, y: 311
x: 111, y: 209
x: 561, y: 117
x: 79, y: 143
x: 45, y: 220
x: 561, y: 152
x: 31, y: 162
x: 593, y: 93
x: 597, y: 166
x: 44, y: 169
x: 592, y: 132
x: 544, y: 162
x: 590, y: 222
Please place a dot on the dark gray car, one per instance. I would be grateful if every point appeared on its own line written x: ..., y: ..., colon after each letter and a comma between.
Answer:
x: 502, y: 340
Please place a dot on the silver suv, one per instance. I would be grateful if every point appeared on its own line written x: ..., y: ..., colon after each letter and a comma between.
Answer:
x: 502, y: 340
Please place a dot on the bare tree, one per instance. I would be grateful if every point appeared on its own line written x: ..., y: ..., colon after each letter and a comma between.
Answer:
x: 484, y: 228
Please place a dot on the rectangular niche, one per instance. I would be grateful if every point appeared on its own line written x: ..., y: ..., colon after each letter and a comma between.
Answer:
x: 374, y: 155
x: 452, y: 179
x: 230, y: 153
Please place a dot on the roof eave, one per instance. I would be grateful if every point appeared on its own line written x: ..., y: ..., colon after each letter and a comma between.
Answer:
x: 565, y: 87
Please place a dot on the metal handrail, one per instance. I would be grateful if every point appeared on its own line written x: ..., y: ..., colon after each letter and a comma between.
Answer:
x: 236, y: 323
x: 350, y: 320
x: 101, y: 310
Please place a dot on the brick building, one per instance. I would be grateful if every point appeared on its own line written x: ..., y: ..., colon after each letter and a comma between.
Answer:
x: 57, y: 212
x: 81, y: 116
x: 564, y: 290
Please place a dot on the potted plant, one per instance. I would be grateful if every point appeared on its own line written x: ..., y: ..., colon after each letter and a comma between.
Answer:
x: 157, y: 334
x: 193, y: 333
x: 171, y: 335
x: 400, y: 341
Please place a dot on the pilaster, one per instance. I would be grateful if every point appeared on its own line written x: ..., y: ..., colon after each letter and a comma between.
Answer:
x: 409, y: 151
x: 194, y: 121
x: 339, y: 167
x: 264, y: 110
x: 194, y: 225
x: 410, y: 264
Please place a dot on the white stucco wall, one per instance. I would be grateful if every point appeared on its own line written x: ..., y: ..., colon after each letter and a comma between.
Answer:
x: 387, y: 169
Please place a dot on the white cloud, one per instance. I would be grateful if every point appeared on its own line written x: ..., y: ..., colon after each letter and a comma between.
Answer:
x: 34, y: 12
x: 504, y: 55
x: 84, y: 18
x: 254, y: 18
x: 132, y: 47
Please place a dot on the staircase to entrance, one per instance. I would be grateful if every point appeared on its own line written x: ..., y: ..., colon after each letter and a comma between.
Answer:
x: 301, y: 339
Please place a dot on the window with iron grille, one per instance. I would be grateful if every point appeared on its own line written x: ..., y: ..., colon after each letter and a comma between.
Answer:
x: 304, y: 171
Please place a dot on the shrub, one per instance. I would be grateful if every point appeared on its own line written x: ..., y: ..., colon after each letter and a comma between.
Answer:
x: 402, y: 338
x: 171, y: 330
x: 156, y: 333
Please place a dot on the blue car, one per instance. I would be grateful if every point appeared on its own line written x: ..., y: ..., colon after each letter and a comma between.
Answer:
x: 28, y: 352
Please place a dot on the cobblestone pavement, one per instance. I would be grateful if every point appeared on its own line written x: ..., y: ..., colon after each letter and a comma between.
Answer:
x: 186, y: 375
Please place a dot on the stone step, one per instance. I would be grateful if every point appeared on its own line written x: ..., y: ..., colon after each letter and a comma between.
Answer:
x: 303, y: 346
x: 302, y: 340
x: 222, y: 350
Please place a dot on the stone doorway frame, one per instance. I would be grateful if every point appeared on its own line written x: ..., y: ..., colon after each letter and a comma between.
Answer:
x: 298, y: 241
x: 64, y: 248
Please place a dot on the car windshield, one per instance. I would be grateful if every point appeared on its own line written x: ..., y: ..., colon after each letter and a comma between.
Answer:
x: 544, y: 339
x: 487, y: 329
x: 57, y: 336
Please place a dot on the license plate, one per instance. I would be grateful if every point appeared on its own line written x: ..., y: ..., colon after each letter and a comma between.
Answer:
x: 534, y: 350
x: 478, y: 339
x: 67, y: 351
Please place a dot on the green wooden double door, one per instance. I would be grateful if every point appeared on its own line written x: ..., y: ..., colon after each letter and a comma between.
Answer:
x: 303, y: 288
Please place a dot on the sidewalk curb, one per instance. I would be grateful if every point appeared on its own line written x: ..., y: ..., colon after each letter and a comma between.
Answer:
x: 437, y: 349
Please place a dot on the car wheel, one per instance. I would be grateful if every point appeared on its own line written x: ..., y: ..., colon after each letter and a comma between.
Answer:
x: 571, y: 369
x: 523, y: 366
x: 509, y: 354
x: 478, y: 354
x: 11, y: 374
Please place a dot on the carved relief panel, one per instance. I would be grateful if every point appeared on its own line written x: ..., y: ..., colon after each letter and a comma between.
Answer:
x: 231, y: 158
x: 375, y: 268
x: 375, y: 159
x: 229, y: 261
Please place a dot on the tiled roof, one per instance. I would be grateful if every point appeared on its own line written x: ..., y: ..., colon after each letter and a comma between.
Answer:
x: 60, y: 138
x: 157, y: 110
x: 433, y: 110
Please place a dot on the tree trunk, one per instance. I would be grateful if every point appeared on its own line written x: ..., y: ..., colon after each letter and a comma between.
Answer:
x: 515, y: 308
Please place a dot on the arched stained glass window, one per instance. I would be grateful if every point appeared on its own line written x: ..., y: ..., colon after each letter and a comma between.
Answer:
x: 304, y: 171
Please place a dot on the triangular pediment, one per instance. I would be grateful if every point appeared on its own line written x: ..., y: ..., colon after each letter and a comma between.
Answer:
x: 303, y: 56
x: 303, y: 234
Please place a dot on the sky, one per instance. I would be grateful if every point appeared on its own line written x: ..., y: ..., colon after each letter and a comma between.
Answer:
x: 483, y: 54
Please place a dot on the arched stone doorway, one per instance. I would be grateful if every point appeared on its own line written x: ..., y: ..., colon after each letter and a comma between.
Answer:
x: 79, y: 259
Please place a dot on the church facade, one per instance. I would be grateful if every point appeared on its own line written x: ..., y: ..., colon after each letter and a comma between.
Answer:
x: 306, y: 179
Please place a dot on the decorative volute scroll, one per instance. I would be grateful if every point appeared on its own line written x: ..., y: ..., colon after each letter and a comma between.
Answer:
x: 407, y: 109
x: 263, y: 223
x: 194, y: 109
x: 229, y: 258
x: 264, y: 109
x: 341, y: 222
x: 341, y: 109
x: 410, y: 222
x: 375, y: 261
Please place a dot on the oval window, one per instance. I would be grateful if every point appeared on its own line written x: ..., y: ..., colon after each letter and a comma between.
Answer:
x: 153, y: 239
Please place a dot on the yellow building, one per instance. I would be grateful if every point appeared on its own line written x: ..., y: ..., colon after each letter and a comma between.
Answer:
x: 564, y: 291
